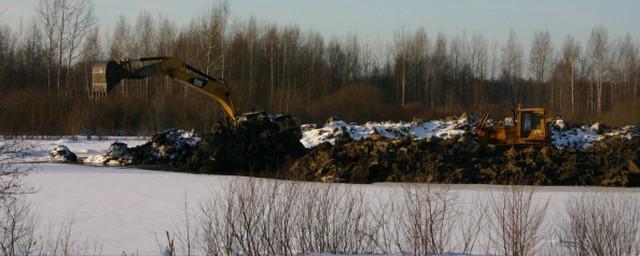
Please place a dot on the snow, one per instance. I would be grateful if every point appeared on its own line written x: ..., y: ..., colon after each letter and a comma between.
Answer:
x: 125, y: 209
x: 37, y: 150
x: 583, y: 137
x: 562, y: 135
x: 313, y: 136
x: 164, y: 145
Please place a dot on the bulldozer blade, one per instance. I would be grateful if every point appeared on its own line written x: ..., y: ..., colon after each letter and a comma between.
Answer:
x: 106, y: 75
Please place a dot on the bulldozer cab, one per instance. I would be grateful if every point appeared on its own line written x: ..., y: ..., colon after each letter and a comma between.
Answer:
x: 531, y: 125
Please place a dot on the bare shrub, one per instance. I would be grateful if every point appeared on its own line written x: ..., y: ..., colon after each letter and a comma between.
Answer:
x: 247, y: 219
x: 383, y: 224
x: 17, y: 220
x: 184, y: 235
x: 269, y: 217
x: 427, y: 221
x: 602, y: 224
x: 10, y: 174
x: 470, y: 225
x: 334, y: 219
x: 65, y: 240
x: 515, y: 221
x: 17, y: 227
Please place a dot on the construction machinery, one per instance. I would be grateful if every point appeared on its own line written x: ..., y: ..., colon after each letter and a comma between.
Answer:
x: 528, y: 127
x: 106, y: 75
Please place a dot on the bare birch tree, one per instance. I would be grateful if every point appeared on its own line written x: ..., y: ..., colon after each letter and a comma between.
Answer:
x: 597, y: 50
x: 540, y: 56
x: 47, y: 13
x: 216, y: 29
x: 512, y: 65
x: 569, y: 62
x: 81, y: 21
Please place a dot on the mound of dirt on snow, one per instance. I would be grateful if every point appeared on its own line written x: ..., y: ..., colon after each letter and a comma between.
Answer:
x: 256, y: 147
x: 253, y: 147
x: 62, y: 154
x: 612, y: 161
x: 171, y: 147
x: 437, y: 150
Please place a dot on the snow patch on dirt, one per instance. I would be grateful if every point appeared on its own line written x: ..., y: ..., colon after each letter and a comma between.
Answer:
x: 564, y: 136
x: 166, y: 145
x: 582, y: 137
x: 334, y: 130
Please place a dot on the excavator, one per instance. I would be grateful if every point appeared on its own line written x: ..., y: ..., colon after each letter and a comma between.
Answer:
x: 106, y: 75
x: 529, y: 127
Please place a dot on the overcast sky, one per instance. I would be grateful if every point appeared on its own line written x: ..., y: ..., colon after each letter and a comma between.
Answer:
x: 378, y: 19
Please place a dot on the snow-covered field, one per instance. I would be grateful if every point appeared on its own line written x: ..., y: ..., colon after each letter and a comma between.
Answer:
x: 125, y: 209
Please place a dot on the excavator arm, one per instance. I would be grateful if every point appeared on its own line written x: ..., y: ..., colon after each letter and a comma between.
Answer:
x: 107, y: 75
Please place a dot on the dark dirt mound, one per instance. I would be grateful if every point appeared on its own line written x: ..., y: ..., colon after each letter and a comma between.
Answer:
x: 610, y: 162
x: 62, y: 154
x: 256, y: 147
x: 171, y: 147
x: 259, y: 148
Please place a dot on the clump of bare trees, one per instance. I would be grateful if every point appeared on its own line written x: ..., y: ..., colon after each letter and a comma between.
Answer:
x: 65, y: 25
x: 282, y: 218
x: 515, y: 221
x: 17, y: 222
x: 17, y: 227
x: 602, y: 224
x: 268, y: 217
x: 427, y: 221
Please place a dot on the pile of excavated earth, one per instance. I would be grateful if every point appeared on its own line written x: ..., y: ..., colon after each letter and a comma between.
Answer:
x: 443, y: 151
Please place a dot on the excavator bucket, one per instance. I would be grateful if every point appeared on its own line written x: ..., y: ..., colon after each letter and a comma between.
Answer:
x: 106, y: 75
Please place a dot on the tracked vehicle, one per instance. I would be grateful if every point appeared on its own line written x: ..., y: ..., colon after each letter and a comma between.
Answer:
x: 529, y: 127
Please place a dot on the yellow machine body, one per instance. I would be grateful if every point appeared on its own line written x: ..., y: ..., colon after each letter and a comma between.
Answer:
x: 529, y: 127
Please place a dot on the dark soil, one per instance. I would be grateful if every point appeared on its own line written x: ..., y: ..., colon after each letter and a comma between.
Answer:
x: 258, y: 148
x: 612, y: 161
x: 253, y: 148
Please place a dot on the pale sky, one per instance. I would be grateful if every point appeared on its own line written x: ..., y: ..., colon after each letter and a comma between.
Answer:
x: 377, y: 20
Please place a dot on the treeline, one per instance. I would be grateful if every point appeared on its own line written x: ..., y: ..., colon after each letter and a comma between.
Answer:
x: 45, y: 73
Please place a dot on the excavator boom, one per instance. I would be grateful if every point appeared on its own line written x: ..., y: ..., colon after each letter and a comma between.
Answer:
x: 107, y: 75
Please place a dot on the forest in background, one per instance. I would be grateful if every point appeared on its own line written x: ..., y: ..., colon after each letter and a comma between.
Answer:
x: 45, y: 73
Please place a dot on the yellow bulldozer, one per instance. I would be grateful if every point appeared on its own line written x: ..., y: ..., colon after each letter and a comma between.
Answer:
x: 529, y: 127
